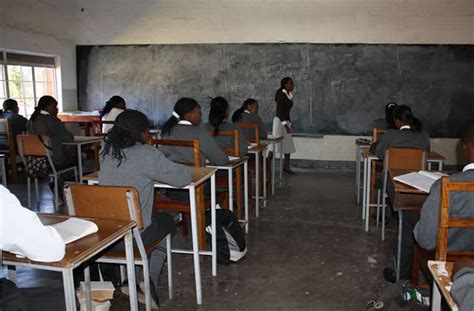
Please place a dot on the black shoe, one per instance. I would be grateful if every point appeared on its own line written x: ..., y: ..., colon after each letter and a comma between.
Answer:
x: 389, y: 275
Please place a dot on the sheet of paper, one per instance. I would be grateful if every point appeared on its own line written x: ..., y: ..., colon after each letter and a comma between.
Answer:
x: 75, y: 228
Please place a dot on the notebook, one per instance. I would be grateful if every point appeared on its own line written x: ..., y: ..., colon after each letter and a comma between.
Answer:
x: 421, y: 180
x: 74, y: 229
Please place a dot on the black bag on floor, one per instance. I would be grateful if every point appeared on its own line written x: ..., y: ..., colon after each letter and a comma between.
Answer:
x: 230, y: 237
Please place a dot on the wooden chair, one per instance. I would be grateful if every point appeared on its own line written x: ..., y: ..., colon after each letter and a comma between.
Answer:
x: 235, y: 151
x: 118, y: 203
x: 7, y: 145
x: 31, y: 146
x: 398, y: 158
x: 182, y: 206
x: 420, y: 255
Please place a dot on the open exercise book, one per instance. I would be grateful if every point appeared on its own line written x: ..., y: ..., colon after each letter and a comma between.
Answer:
x: 74, y: 229
x: 422, y: 180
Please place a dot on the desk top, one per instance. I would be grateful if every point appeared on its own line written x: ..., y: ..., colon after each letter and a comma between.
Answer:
x: 200, y: 175
x: 79, y: 113
x: 442, y: 274
x: 432, y: 156
x: 272, y: 138
x: 80, y: 140
x: 363, y: 142
x: 255, y: 149
x: 81, y: 250
x: 232, y: 163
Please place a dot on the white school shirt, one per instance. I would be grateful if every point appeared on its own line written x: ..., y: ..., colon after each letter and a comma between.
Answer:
x: 110, y: 116
x: 23, y: 233
x: 470, y: 166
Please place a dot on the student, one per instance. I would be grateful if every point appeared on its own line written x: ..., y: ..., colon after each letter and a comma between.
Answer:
x: 409, y: 133
x: 426, y: 230
x: 44, y: 121
x: 113, y: 107
x: 218, y: 122
x: 10, y: 112
x: 126, y: 160
x: 36, y: 242
x: 184, y: 125
x: 462, y: 289
x: 387, y: 123
x: 248, y: 114
x: 282, y: 125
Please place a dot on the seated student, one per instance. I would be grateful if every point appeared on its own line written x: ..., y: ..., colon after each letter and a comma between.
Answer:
x: 462, y: 289
x: 218, y: 122
x: 248, y: 114
x: 10, y: 112
x: 36, y: 242
x: 426, y: 229
x: 113, y: 107
x: 184, y: 125
x: 387, y: 123
x: 127, y: 160
x: 409, y: 133
x: 44, y: 121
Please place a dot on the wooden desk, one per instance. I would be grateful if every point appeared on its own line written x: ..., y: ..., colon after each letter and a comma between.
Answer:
x: 80, y: 141
x: 442, y: 273
x: 81, y: 251
x: 273, y: 140
x: 86, y: 117
x: 403, y: 198
x: 198, y: 216
x: 234, y: 164
x: 3, y: 170
x: 259, y: 152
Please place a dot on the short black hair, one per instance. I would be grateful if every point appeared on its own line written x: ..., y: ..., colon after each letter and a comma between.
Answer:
x: 10, y: 104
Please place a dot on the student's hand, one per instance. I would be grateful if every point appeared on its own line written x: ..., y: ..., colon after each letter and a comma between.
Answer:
x: 288, y: 129
x: 461, y: 263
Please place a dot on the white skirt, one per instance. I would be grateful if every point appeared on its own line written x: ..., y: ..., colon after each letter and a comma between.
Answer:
x: 287, y: 144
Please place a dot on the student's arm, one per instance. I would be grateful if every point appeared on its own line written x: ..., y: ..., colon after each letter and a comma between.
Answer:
x: 243, y: 147
x: 60, y: 131
x: 211, y: 149
x: 21, y: 232
x: 169, y: 172
x: 426, y: 230
x: 462, y: 289
x: 382, y: 145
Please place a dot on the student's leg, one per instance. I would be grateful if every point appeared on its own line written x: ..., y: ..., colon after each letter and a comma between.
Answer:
x: 287, y: 167
x: 409, y: 221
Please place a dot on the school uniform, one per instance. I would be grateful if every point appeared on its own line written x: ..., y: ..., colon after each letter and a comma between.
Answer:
x: 141, y: 166
x: 49, y: 125
x: 110, y: 116
x: 248, y: 117
x: 17, y: 122
x: 228, y: 141
x: 402, y: 138
x: 284, y: 104
x: 209, y: 149
x: 462, y: 289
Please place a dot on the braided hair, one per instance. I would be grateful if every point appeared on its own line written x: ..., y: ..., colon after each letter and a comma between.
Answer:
x: 43, y: 103
x: 114, y: 102
x: 238, y: 113
x: 218, y: 113
x: 405, y: 115
x: 126, y: 132
x: 182, y: 107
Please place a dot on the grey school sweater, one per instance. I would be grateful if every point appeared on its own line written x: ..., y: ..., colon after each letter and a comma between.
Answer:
x: 209, y: 149
x: 402, y: 139
x: 53, y: 127
x: 252, y: 118
x: 463, y: 289
x: 228, y: 141
x: 141, y: 167
x: 461, y: 205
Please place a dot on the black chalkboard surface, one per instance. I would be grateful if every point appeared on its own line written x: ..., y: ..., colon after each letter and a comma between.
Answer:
x: 340, y: 88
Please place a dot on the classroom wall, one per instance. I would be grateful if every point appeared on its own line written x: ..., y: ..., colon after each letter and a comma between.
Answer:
x: 317, y: 21
x: 46, y: 27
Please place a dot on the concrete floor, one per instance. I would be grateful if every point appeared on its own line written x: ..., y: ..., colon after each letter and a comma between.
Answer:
x: 307, y: 251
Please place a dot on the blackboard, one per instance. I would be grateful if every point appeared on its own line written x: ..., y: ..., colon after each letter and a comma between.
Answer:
x: 340, y: 88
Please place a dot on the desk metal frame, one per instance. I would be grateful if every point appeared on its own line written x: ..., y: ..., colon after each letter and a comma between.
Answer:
x: 259, y: 153
x: 3, y: 170
x: 79, y: 141
x: 273, y: 141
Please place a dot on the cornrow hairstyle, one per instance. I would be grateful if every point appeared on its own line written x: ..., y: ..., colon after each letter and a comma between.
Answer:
x: 182, y: 107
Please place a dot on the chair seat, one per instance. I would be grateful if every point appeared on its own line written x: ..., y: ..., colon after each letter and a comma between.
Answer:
x: 120, y: 255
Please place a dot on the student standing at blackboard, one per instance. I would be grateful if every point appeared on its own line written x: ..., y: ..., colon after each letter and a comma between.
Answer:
x: 282, y: 123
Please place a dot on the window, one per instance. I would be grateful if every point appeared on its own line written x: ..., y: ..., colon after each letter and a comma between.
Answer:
x: 26, y: 78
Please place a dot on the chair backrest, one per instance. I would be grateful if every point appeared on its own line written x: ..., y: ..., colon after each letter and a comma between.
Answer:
x: 256, y: 137
x: 377, y: 134
x: 404, y: 158
x: 106, y: 202
x: 235, y: 151
x: 180, y: 143
x: 446, y: 222
x: 31, y: 145
x: 7, y: 141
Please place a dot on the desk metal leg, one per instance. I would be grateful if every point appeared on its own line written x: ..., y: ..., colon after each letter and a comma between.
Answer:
x: 399, y: 246
x: 231, y: 190
x: 440, y: 165
x: 429, y: 166
x: 3, y: 170
x: 246, y: 194
x: 364, y: 193
x: 69, y: 293
x: 87, y: 282
x: 132, y: 287
x: 12, y: 273
x: 79, y: 161
x: 213, y: 223
x: 273, y: 167
x: 281, y: 159
x: 257, y: 184
x: 367, y: 195
x: 435, y: 298
x: 194, y: 235
x: 264, y: 181
x: 358, y: 173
